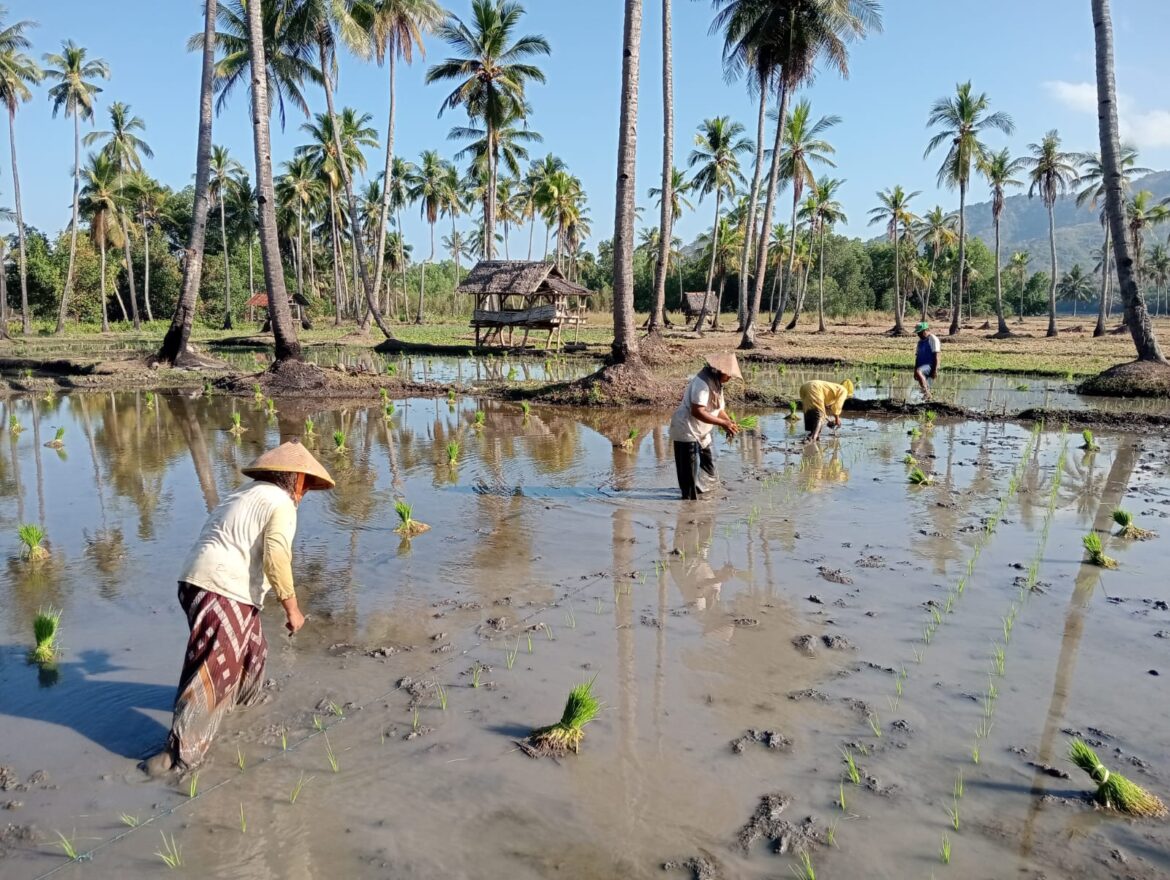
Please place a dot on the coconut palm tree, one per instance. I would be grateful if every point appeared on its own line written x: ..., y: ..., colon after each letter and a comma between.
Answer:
x: 999, y: 170
x: 1143, y: 212
x: 491, y: 72
x: 826, y: 212
x: 1092, y: 195
x: 624, y: 350
x: 538, y: 175
x: 782, y: 41
x: 289, y: 50
x: 962, y: 120
x: 676, y: 191
x: 719, y: 143
x: 100, y: 204
x: 18, y: 73
x: 288, y: 347
x: 893, y: 210
x: 1018, y: 267
x: 401, y: 175
x: 428, y: 186
x: 149, y: 198
x: 225, y: 170
x: 298, y: 189
x: 1053, y: 173
x: 803, y: 148
x: 125, y: 149
x: 1075, y: 287
x: 74, y: 92
x: 510, y: 146
x: 665, y: 204
x: 562, y: 199
x: 936, y: 230
x: 453, y: 201
x: 1158, y: 269
x: 396, y: 29
x: 241, y: 208
x: 174, y: 345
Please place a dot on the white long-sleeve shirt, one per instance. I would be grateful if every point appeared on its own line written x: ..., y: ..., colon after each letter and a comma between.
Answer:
x: 245, y: 547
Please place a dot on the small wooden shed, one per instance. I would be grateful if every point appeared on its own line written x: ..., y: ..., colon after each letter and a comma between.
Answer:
x: 296, y: 303
x: 517, y: 293
x: 692, y: 304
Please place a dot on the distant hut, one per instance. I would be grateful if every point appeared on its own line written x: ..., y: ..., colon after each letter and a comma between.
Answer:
x: 530, y: 295
x: 296, y: 303
x: 692, y: 304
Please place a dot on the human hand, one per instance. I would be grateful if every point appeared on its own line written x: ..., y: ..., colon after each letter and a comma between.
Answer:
x: 731, y: 427
x: 295, y: 620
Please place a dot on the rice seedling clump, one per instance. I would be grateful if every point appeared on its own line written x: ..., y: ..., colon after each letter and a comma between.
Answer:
x: 1096, y: 551
x: 32, y: 538
x: 45, y: 626
x: 1128, y: 530
x: 408, y: 526
x: 566, y: 735
x: 58, y: 441
x: 1114, y: 790
x: 1090, y: 445
x: 918, y: 477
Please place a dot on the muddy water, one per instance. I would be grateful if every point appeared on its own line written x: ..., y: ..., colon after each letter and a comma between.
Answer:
x: 692, y: 617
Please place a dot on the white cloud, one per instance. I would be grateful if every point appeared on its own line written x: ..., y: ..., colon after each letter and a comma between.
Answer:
x: 1146, y: 129
x: 1079, y: 96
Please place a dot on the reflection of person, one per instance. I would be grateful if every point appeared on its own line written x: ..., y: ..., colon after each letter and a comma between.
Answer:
x: 816, y: 472
x: 244, y: 550
x: 695, y: 420
x: 926, y: 358
x: 690, y: 566
x: 823, y: 401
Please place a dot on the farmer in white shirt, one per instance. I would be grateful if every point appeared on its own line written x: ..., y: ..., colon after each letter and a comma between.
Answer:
x: 244, y: 550
x: 926, y: 358
x: 700, y: 413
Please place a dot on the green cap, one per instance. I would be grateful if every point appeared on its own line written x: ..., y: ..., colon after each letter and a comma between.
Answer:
x: 922, y: 325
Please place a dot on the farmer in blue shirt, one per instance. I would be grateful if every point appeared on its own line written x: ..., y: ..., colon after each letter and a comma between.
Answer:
x: 926, y: 359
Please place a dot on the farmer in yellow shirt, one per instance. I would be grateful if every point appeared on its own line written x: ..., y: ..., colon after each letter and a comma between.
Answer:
x: 823, y: 401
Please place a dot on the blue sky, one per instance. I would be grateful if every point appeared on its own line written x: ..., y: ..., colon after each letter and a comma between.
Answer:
x: 1034, y: 59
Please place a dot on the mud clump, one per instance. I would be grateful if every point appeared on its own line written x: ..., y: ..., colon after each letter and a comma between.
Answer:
x: 745, y: 622
x: 768, y: 738
x: 871, y: 561
x: 809, y: 694
x: 701, y: 867
x: 785, y: 837
x: 836, y: 642
x: 834, y: 575
x: 806, y: 644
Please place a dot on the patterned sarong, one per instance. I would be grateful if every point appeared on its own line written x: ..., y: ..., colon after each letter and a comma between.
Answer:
x: 223, y: 668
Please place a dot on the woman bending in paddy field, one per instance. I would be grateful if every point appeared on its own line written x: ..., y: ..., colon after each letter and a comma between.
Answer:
x: 822, y: 402
x: 244, y: 550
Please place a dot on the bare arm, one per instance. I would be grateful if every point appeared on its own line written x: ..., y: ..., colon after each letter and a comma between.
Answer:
x: 703, y: 414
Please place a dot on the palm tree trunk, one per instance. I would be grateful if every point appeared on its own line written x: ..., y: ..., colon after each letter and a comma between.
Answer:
x: 105, y: 311
x: 1052, y: 283
x: 899, y: 329
x: 300, y: 250
x: 68, y: 289
x: 288, y: 348
x: 25, y: 319
x: 666, y: 215
x: 129, y: 270
x: 625, y: 340
x: 821, y: 292
x: 146, y: 268
x: 930, y: 286
x: 355, y: 219
x: 775, y: 284
x: 336, y: 246
x: 1002, y: 329
x: 531, y: 230
x: 384, y: 215
x: 251, y: 275
x: 957, y: 295
x: 3, y: 293
x: 749, y: 330
x: 456, y: 249
x: 711, y: 270
x: 719, y: 299
x: 402, y: 263
x: 227, y: 274
x: 489, y: 203
x: 786, y: 278
x: 1099, y: 330
x: 422, y: 288
x: 754, y: 197
x: 174, y: 344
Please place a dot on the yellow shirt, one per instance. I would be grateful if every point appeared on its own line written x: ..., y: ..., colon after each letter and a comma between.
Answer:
x: 827, y: 397
x: 245, y: 547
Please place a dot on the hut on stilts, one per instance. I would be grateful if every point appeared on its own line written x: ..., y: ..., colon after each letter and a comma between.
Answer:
x: 511, y: 294
x: 297, y: 305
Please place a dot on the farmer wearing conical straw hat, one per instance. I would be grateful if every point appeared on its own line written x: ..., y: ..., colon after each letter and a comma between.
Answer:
x: 244, y: 550
x: 822, y: 402
x: 700, y: 413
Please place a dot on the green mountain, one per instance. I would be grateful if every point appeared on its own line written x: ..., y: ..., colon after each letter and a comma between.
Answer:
x: 1079, y: 236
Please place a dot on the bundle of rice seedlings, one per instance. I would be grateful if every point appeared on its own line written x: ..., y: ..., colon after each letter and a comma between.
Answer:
x: 150, y: 400
x: 257, y: 392
x: 450, y: 395
x: 453, y: 452
x: 1114, y: 790
x: 525, y: 408
x: 480, y: 419
x: 918, y: 477
x: 1128, y: 530
x: 45, y: 626
x: 14, y: 425
x: 58, y: 441
x: 914, y: 433
x: 32, y: 538
x: 744, y: 423
x: 236, y: 429
x: 339, y: 442
x: 792, y: 413
x: 1090, y: 445
x: 628, y: 443
x: 566, y: 735
x: 310, y: 427
x: 408, y: 526
x: 1096, y: 551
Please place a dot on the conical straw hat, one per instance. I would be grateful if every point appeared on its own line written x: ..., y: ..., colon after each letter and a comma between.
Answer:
x: 293, y: 458
x: 725, y: 363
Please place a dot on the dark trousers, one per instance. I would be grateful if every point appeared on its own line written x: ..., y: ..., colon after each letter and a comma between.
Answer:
x: 689, y: 458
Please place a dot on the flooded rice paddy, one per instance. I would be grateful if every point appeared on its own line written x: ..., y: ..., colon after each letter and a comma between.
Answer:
x: 819, y: 607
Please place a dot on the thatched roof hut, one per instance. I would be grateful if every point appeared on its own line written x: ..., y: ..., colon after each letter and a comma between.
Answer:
x: 519, y: 293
